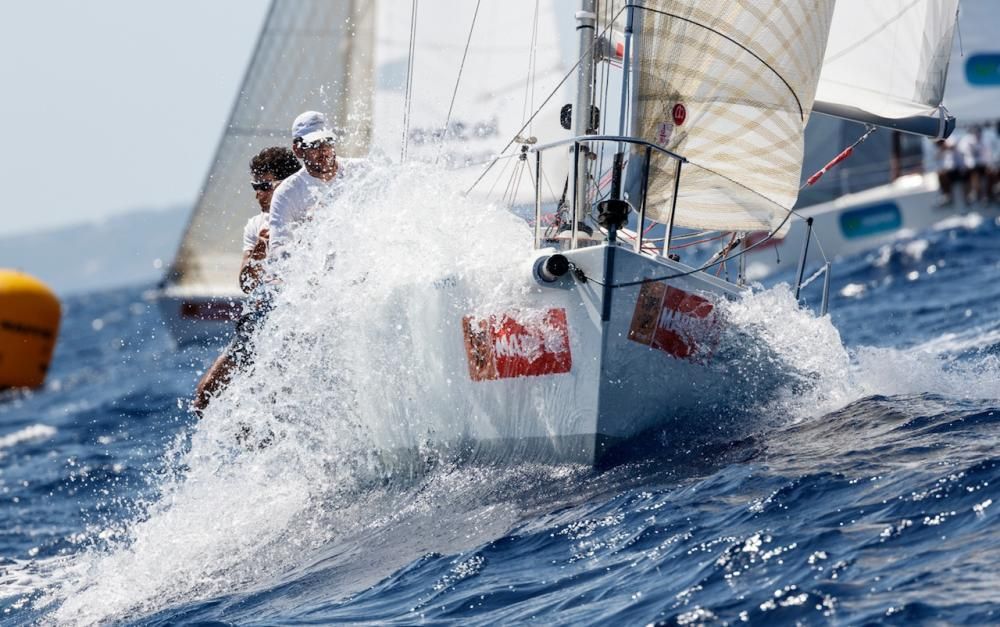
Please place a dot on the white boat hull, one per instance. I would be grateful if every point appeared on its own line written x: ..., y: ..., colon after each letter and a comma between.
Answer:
x: 857, y: 223
x: 556, y: 381
x: 198, y: 318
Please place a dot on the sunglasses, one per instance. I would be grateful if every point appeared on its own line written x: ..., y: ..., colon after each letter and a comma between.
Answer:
x: 263, y: 186
x: 317, y: 144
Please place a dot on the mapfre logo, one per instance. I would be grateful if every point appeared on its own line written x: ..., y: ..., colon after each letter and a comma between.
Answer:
x: 523, y: 343
x: 681, y: 324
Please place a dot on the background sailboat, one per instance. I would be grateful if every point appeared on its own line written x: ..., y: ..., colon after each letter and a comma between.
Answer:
x: 455, y: 105
x: 311, y: 54
x: 889, y: 186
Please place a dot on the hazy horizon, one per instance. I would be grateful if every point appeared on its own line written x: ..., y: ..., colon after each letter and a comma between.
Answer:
x: 113, y: 251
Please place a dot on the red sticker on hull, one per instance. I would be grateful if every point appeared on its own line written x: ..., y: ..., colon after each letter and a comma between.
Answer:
x: 676, y: 322
x: 525, y: 343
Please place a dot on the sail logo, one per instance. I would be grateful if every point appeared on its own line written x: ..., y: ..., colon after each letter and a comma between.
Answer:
x: 523, y: 343
x: 664, y: 132
x: 456, y: 131
x: 679, y: 113
x: 759, y: 240
x: 681, y: 324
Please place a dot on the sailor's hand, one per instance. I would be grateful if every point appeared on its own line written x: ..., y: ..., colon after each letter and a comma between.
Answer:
x: 259, y: 251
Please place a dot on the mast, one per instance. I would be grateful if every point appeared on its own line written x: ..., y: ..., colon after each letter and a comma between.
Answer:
x: 623, y: 121
x: 586, y: 19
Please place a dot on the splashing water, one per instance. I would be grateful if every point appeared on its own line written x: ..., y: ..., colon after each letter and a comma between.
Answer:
x: 340, y: 370
x: 339, y: 354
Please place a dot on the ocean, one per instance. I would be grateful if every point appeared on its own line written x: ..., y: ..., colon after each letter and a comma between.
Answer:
x: 868, y: 496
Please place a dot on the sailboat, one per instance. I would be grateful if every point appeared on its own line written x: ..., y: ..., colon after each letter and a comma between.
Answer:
x: 886, y: 195
x: 615, y: 339
x: 620, y: 130
x: 307, y: 56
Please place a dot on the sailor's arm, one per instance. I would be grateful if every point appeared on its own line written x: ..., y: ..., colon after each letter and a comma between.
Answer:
x: 280, y: 220
x: 252, y: 267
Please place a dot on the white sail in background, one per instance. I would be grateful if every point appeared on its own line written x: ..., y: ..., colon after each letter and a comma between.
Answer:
x: 728, y: 85
x: 886, y: 63
x: 518, y: 53
x: 311, y: 54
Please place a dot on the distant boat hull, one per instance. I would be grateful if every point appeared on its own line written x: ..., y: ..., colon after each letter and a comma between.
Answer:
x: 563, y: 379
x: 198, y: 318
x: 858, y: 223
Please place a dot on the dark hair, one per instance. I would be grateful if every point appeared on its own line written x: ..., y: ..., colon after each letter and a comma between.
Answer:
x: 277, y: 161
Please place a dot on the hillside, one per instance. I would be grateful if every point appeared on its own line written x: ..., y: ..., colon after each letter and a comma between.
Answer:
x: 128, y: 249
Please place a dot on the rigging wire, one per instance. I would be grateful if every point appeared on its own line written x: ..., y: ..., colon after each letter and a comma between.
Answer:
x: 530, y: 76
x: 408, y: 98
x: 508, y: 161
x: 605, y: 72
x: 554, y: 91
x: 514, y: 184
x: 511, y: 184
x: 458, y: 80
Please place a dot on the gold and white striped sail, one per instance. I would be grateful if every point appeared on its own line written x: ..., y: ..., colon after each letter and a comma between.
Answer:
x: 311, y: 54
x: 728, y: 84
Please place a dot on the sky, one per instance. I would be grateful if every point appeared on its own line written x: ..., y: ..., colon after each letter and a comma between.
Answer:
x: 110, y: 106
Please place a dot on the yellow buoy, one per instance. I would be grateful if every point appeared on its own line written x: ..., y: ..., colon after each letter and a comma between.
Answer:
x: 29, y: 324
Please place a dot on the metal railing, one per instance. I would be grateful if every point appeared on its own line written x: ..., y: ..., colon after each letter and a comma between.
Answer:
x: 585, y: 141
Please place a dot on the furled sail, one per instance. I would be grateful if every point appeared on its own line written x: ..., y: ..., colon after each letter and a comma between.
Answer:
x: 311, y: 54
x: 886, y: 64
x: 729, y: 85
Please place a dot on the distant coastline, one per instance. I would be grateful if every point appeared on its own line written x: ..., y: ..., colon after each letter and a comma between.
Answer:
x: 127, y: 249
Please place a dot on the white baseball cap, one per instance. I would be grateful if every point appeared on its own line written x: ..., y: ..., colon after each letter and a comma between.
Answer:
x: 311, y: 126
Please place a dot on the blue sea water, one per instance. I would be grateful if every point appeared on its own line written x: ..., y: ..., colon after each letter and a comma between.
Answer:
x: 873, y: 500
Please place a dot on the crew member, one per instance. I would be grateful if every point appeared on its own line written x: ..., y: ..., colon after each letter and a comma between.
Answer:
x: 268, y: 168
x: 314, y: 186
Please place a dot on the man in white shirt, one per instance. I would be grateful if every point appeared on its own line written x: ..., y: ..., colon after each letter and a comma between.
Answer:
x: 268, y: 168
x: 313, y: 186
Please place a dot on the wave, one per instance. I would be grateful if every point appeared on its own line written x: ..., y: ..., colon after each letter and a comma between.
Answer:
x: 283, y: 481
x: 27, y: 434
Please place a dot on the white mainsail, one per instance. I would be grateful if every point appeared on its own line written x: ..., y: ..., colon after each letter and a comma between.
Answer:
x: 499, y: 60
x: 886, y: 63
x: 729, y: 86
x: 311, y: 54
x: 314, y: 54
